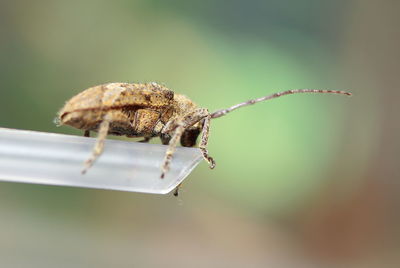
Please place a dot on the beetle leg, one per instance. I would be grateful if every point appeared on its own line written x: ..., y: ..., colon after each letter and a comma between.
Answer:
x: 171, y: 149
x: 204, y: 142
x: 99, y: 146
x: 87, y: 133
x: 109, y: 97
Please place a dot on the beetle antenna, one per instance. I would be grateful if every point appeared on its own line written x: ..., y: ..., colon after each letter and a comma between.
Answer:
x: 223, y: 112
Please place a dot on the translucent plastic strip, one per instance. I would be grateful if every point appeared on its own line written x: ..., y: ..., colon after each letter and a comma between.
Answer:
x: 55, y: 159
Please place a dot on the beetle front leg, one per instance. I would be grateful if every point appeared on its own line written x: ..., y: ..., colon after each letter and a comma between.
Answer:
x: 99, y: 146
x: 204, y: 142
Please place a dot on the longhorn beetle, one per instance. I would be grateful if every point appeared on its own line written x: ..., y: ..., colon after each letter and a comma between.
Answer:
x: 148, y: 110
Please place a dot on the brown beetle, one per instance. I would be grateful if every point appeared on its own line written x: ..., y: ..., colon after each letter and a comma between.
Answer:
x: 148, y: 110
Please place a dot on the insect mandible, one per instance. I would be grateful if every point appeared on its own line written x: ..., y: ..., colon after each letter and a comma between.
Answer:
x: 148, y: 110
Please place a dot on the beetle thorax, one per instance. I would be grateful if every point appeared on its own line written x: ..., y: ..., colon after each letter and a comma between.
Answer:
x: 183, y: 105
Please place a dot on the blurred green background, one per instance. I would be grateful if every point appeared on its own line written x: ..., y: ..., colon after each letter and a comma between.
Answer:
x: 301, y: 181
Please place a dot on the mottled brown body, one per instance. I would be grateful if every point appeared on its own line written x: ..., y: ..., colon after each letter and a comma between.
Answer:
x: 148, y: 110
x: 137, y: 110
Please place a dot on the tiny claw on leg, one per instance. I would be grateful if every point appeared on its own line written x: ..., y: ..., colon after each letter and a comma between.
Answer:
x: 176, y: 191
x: 209, y: 159
x: 165, y: 167
x: 95, y: 154
x: 211, y: 163
x: 88, y: 164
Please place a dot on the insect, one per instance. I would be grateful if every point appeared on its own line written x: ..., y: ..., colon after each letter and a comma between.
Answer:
x: 148, y: 110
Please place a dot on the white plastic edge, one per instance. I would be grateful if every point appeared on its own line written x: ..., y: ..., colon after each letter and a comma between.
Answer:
x: 57, y: 159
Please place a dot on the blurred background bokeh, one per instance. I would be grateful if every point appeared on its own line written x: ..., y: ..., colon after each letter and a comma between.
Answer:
x: 301, y: 181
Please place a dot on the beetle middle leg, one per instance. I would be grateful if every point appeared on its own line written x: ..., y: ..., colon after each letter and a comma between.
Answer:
x: 99, y: 146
